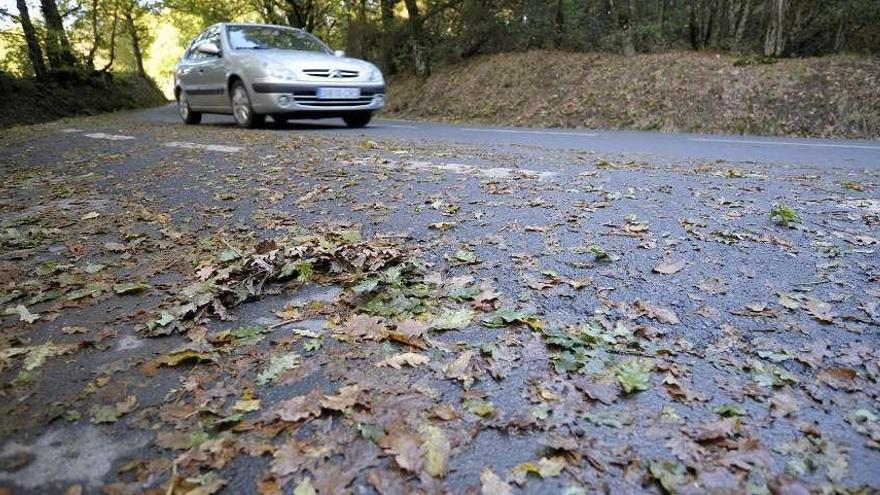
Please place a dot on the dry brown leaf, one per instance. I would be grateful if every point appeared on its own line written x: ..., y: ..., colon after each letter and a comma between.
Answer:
x: 405, y: 358
x: 491, y: 484
x: 668, y: 266
x: 364, y: 326
x: 345, y: 399
x: 299, y: 408
x: 819, y: 310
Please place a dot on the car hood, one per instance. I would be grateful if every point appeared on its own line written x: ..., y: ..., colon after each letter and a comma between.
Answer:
x: 305, y: 60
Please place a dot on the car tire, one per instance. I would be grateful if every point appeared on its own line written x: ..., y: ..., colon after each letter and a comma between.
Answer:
x: 357, y: 120
x: 242, y: 109
x: 187, y: 115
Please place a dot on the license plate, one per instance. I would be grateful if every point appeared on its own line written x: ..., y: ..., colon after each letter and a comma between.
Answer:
x: 338, y: 93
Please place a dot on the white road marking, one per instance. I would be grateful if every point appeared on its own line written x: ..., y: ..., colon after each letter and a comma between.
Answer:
x: 548, y: 133
x: 111, y: 137
x: 787, y: 143
x: 396, y: 126
x: 208, y: 147
x: 70, y: 130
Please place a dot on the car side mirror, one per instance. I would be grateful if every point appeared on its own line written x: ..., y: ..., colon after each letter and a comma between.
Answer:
x: 209, y: 48
x: 339, y: 53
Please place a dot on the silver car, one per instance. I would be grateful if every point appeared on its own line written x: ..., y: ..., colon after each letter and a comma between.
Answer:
x: 254, y: 70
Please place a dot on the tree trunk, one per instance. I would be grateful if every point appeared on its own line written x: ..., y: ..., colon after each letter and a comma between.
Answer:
x: 774, y: 40
x: 694, y: 26
x: 96, y: 36
x: 560, y: 24
x: 622, y: 18
x: 420, y: 58
x: 57, y: 45
x: 742, y: 22
x: 35, y: 53
x: 112, y: 56
x: 388, y: 36
x: 135, y: 44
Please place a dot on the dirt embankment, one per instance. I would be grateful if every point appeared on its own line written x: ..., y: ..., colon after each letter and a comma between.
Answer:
x: 835, y: 96
x: 29, y: 102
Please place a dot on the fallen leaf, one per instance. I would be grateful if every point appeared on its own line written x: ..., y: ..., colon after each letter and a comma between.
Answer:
x: 343, y: 400
x: 453, y: 319
x: 491, y: 484
x: 23, y: 313
x: 668, y: 266
x: 364, y: 326
x: 406, y: 358
x: 278, y: 365
x: 435, y: 447
x: 300, y: 407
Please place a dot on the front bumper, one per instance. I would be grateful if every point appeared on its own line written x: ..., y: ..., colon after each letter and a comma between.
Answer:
x: 273, y: 97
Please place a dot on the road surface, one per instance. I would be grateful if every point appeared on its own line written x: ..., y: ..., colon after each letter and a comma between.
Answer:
x: 838, y: 153
x: 428, y: 308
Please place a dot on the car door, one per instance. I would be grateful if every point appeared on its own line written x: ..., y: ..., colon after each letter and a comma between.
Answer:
x: 186, y: 73
x: 211, y: 73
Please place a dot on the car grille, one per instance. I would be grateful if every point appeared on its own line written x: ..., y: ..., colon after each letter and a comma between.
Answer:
x: 311, y: 101
x: 310, y: 98
x: 331, y: 73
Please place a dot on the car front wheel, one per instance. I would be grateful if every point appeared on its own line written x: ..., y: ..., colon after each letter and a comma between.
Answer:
x: 188, y: 116
x: 242, y: 109
x: 358, y: 119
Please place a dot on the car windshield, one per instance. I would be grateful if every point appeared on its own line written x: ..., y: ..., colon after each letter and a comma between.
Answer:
x: 268, y: 37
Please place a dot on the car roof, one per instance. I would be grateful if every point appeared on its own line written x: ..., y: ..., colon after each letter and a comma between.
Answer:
x: 255, y: 24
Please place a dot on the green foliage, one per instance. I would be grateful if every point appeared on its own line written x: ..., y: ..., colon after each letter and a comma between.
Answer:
x: 753, y: 59
x: 784, y: 215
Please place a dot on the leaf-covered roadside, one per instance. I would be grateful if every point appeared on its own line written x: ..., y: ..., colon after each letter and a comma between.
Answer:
x: 319, y: 317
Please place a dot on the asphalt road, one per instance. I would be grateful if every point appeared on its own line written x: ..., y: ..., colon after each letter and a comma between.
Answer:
x: 704, y: 315
x: 836, y: 153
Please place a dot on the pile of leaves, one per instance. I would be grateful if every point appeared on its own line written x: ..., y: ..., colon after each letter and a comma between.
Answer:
x: 238, y: 275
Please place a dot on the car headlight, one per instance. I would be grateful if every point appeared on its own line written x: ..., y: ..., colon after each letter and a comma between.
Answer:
x: 375, y: 75
x: 279, y: 72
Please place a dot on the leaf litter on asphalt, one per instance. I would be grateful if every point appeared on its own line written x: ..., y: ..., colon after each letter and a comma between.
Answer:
x: 632, y: 327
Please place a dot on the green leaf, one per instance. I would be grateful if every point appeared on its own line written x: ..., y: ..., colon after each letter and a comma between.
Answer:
x: 373, y: 433
x: 784, y: 215
x: 164, y: 319
x: 105, y: 414
x: 240, y: 336
x: 481, y: 408
x: 453, y: 319
x: 278, y: 365
x: 23, y: 313
x: 365, y: 285
x: 462, y: 293
x: 305, y: 488
x: 669, y: 475
x: 130, y: 288
x: 730, y: 410
x: 466, y: 256
x: 435, y: 448
x: 508, y: 316
x: 634, y: 375
x: 228, y: 254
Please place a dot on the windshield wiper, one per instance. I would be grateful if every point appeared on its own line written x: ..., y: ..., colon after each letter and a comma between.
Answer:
x: 255, y: 47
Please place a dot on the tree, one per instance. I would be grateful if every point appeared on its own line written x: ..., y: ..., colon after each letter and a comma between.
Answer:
x: 58, y: 49
x: 35, y: 53
x: 134, y: 37
x: 388, y: 36
x: 417, y: 39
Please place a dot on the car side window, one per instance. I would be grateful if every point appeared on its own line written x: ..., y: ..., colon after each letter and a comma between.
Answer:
x: 191, y: 52
x: 209, y: 36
